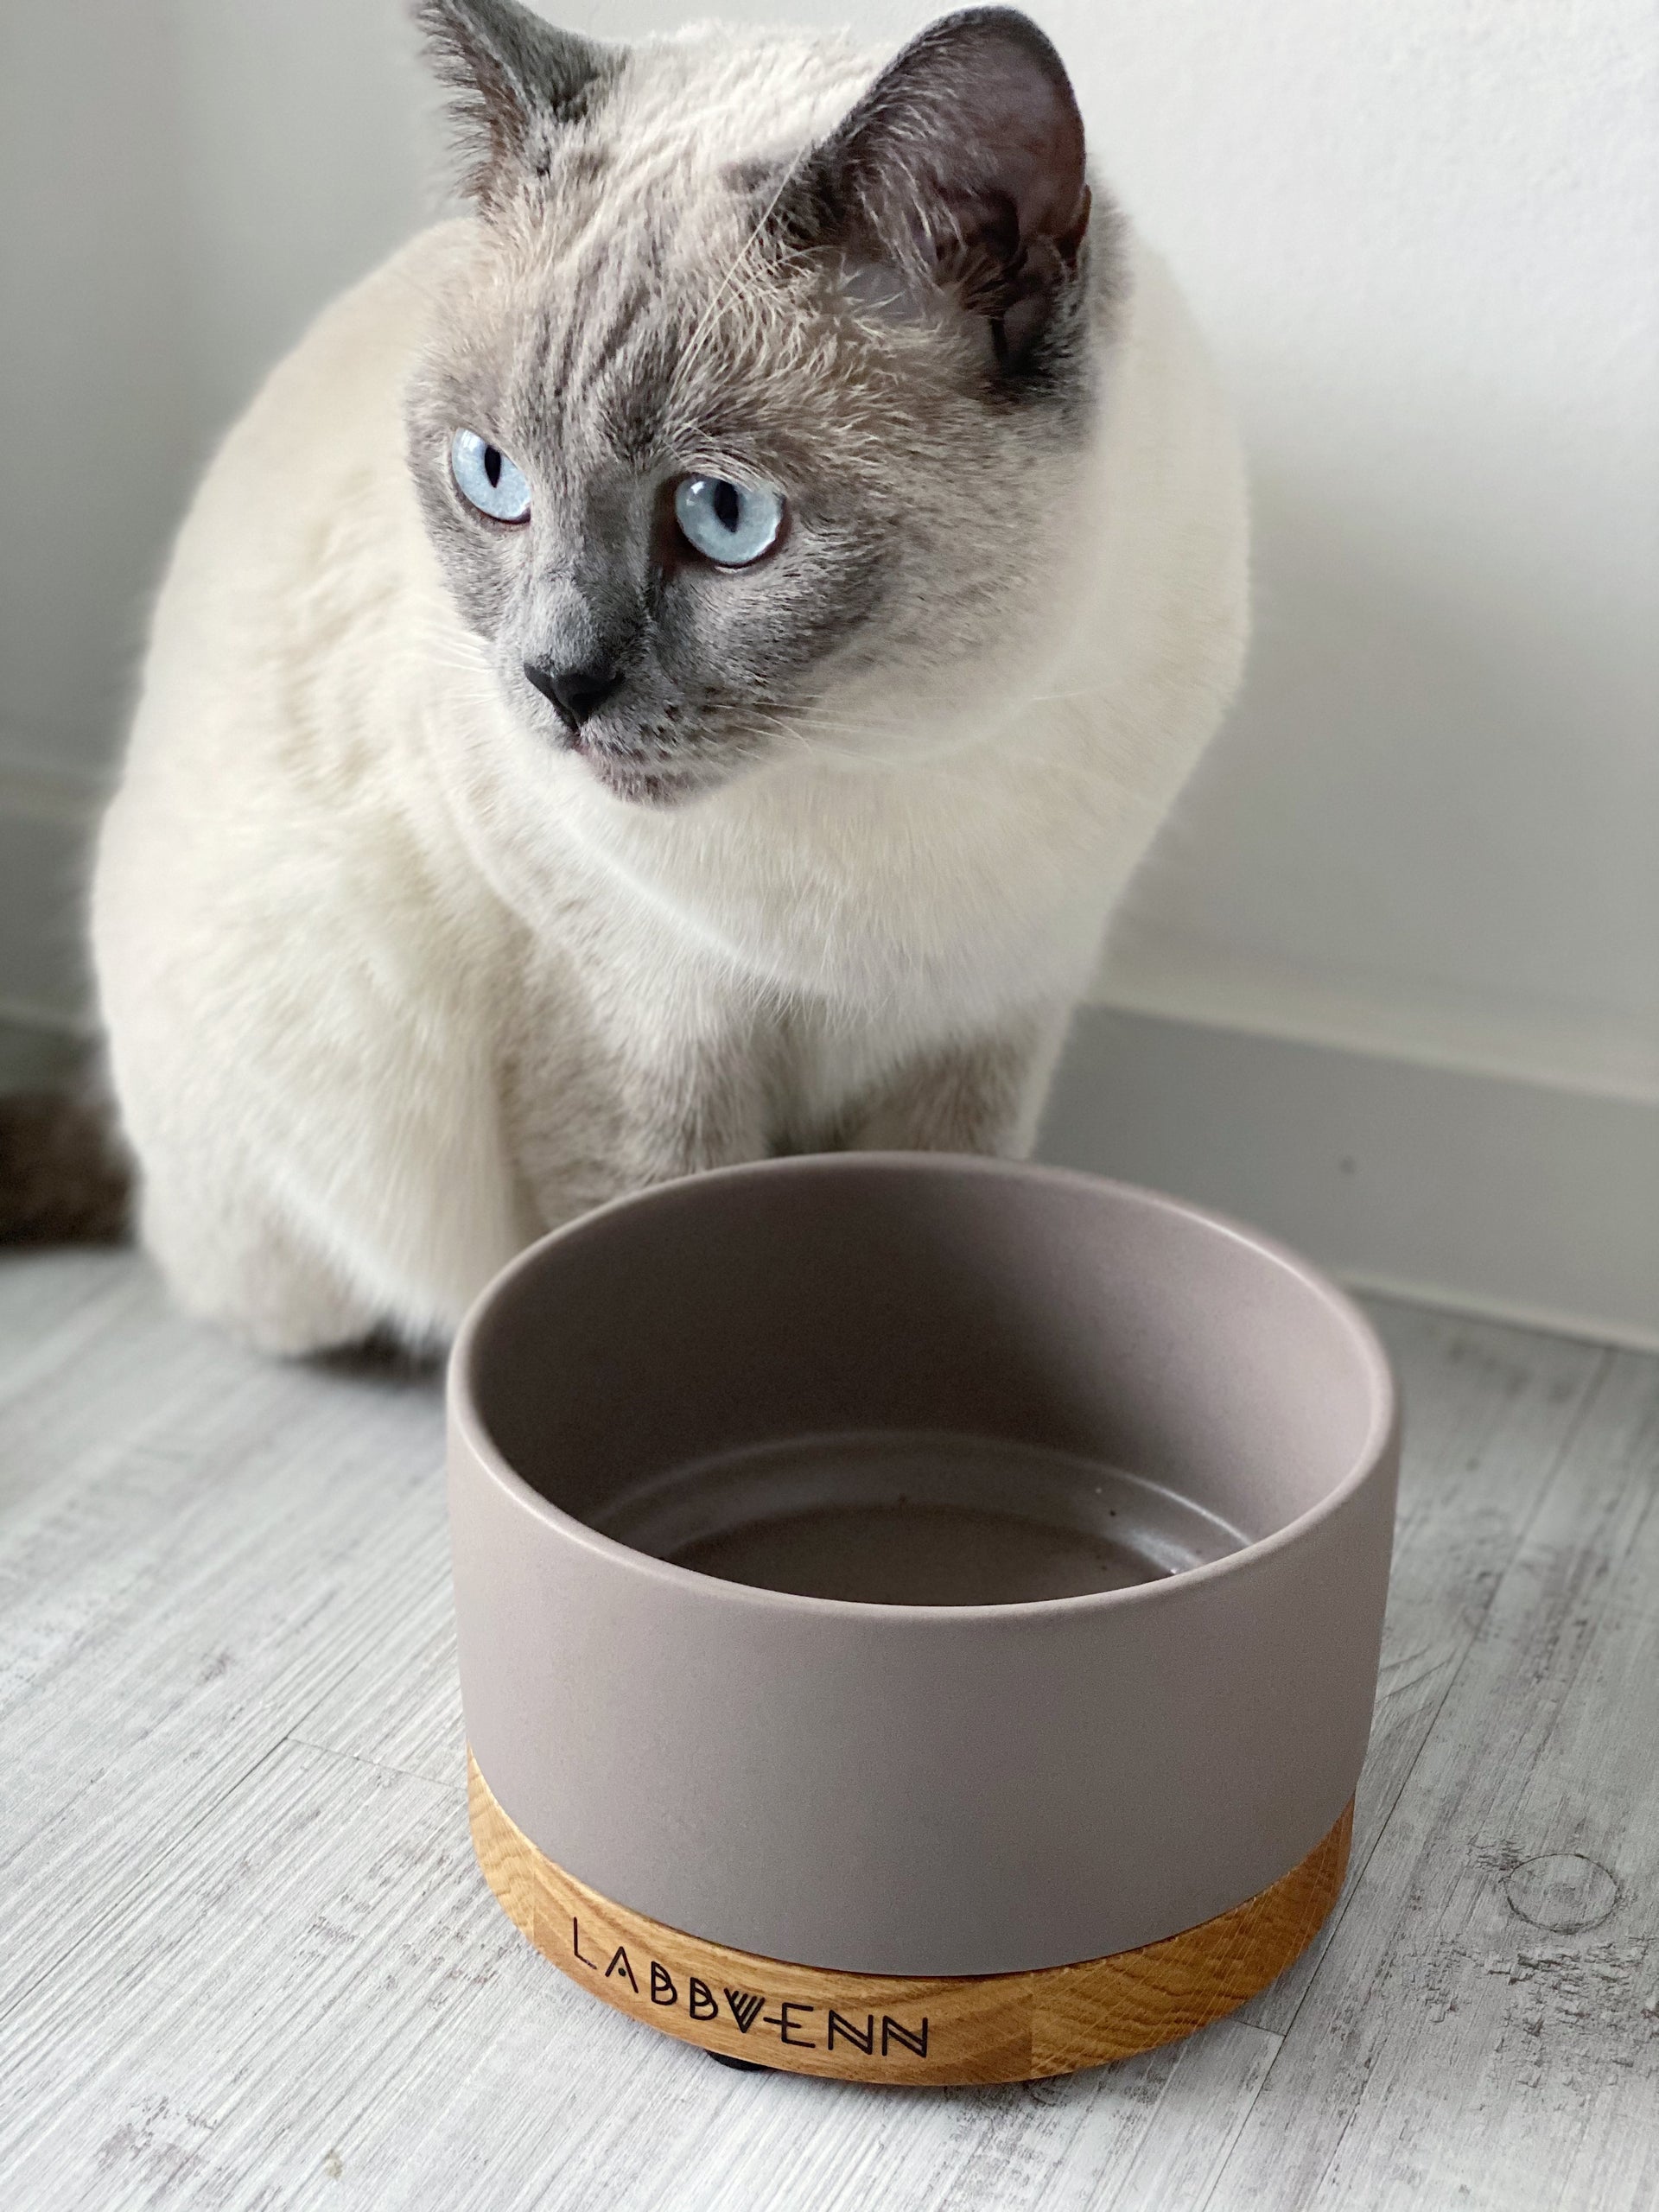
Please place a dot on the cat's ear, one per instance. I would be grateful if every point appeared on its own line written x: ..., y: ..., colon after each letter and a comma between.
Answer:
x: 518, y: 82
x: 961, y: 168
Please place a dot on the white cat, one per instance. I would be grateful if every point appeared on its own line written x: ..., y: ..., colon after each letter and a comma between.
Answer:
x: 675, y: 667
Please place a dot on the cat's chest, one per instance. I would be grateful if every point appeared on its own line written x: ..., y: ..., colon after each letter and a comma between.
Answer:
x: 915, y: 916
x: 616, y: 1074
x: 612, y: 1079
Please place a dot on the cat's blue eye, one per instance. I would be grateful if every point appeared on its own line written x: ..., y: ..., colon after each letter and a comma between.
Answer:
x: 733, y: 523
x: 487, y: 479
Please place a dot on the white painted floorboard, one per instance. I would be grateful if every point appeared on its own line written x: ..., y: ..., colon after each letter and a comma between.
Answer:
x: 247, y: 1961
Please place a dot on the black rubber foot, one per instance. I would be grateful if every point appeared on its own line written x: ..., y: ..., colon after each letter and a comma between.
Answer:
x: 740, y: 2065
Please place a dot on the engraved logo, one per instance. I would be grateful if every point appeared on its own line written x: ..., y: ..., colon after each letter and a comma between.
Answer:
x: 799, y: 2025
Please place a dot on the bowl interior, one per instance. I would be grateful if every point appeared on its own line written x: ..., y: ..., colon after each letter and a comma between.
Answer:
x: 920, y: 1380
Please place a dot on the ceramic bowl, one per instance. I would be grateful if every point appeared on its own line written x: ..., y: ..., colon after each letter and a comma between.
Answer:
x: 918, y: 1616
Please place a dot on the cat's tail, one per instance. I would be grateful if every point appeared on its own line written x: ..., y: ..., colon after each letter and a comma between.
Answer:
x: 65, y: 1175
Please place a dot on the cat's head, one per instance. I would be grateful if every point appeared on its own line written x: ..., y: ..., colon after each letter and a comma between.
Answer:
x: 744, y: 431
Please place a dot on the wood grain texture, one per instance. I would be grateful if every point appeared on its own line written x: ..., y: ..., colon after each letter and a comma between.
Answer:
x: 195, y: 1544
x: 246, y: 1974
x: 900, y: 2029
x: 1489, y: 1413
x: 1488, y: 2022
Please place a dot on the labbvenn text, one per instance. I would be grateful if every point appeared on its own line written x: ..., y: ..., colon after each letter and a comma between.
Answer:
x: 791, y: 2020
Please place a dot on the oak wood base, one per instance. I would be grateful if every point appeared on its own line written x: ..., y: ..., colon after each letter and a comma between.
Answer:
x: 858, y: 2027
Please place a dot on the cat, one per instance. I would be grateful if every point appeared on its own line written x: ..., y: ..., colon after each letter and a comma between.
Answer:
x: 676, y: 667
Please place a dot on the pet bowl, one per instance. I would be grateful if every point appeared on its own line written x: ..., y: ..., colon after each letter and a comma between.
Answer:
x: 918, y: 1616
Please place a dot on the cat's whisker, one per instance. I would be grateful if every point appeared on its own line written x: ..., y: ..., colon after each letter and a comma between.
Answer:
x: 809, y: 744
x: 853, y: 718
x: 903, y: 733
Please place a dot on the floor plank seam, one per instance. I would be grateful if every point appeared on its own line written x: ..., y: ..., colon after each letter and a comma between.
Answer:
x: 1274, y: 2036
x: 327, y: 1686
x: 1599, y: 1380
x: 1330, y: 1931
x: 1558, y: 1467
x: 455, y: 1783
x: 1357, y: 1872
x: 1238, y: 2133
x: 140, y: 1881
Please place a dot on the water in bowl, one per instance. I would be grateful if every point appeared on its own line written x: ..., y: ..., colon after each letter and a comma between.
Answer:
x: 910, y: 1519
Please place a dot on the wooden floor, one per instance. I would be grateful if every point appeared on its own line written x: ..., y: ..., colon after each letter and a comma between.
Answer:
x: 248, y: 1961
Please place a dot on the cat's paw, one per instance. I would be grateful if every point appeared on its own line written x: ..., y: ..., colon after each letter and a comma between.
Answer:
x: 252, y: 1277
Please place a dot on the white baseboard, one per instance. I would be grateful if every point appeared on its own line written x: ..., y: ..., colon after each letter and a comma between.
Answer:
x: 1527, y: 1201
x: 1149, y: 969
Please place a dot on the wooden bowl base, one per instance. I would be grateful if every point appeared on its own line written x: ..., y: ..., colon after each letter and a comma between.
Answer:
x: 860, y: 2027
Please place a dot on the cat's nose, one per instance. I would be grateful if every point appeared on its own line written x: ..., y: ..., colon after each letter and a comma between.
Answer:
x: 575, y: 693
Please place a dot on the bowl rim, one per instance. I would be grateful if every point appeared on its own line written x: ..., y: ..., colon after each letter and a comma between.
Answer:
x: 464, y: 1414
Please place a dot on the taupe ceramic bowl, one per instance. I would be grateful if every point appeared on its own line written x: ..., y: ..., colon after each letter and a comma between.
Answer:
x: 918, y: 1616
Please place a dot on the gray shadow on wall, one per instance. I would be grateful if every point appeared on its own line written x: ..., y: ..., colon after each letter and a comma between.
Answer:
x: 1405, y: 784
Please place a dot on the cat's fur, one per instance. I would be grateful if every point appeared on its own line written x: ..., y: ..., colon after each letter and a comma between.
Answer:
x: 396, y: 974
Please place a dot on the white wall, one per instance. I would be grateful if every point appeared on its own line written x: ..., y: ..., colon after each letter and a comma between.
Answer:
x: 183, y: 182
x: 1424, y: 237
